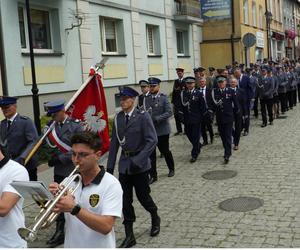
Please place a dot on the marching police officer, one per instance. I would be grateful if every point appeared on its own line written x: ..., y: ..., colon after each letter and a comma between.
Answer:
x: 266, y: 87
x: 60, y: 138
x: 194, y: 109
x: 224, y: 104
x: 176, y: 101
x: 160, y: 110
x: 18, y: 135
x: 145, y: 92
x: 247, y: 89
x: 207, y: 118
x: 282, y: 82
x: 134, y: 132
x: 238, y: 117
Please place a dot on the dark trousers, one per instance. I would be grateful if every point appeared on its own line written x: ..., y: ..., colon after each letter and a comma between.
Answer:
x: 283, y: 102
x: 193, y: 133
x: 226, y: 134
x: 178, y: 122
x: 298, y: 90
x: 255, y: 106
x: 142, y: 190
x: 294, y: 97
x: 206, y: 126
x: 32, y: 174
x: 246, y: 119
x: 290, y: 98
x: 266, y: 104
x: 236, y: 132
x: 163, y: 146
x: 58, y: 179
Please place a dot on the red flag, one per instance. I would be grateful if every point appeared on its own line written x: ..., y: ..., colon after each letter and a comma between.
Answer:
x: 90, y: 107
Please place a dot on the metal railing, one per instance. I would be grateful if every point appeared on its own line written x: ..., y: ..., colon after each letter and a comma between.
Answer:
x: 188, y: 8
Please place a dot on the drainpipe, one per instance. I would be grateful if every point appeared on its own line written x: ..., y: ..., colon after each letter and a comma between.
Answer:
x: 2, y: 60
x: 232, y: 31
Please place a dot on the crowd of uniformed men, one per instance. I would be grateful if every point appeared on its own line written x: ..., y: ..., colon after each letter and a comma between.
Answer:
x: 226, y: 96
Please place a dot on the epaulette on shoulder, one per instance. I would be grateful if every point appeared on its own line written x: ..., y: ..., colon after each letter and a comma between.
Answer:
x: 140, y: 111
x: 24, y: 117
x: 75, y: 120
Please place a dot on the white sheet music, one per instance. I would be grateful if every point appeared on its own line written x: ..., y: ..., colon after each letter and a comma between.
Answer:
x: 31, y: 189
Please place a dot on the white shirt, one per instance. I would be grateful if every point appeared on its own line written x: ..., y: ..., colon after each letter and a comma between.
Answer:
x: 9, y: 237
x: 78, y: 235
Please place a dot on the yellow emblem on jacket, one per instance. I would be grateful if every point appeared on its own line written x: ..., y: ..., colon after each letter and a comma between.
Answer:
x: 94, y: 199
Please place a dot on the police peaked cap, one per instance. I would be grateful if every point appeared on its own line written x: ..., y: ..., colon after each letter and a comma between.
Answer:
x: 54, y: 106
x: 221, y: 79
x: 143, y: 83
x: 129, y: 92
x: 179, y: 69
x: 189, y: 79
x: 7, y: 100
x: 154, y: 81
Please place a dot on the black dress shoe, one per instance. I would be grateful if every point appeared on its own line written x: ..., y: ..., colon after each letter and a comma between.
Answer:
x: 192, y: 160
x: 128, y: 242
x: 245, y: 133
x: 204, y: 143
x: 177, y: 133
x: 270, y: 123
x: 263, y: 125
x: 155, y: 228
x: 226, y: 160
x: 171, y: 173
x: 152, y: 180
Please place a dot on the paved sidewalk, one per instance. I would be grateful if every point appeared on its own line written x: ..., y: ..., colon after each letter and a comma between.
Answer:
x: 268, y: 167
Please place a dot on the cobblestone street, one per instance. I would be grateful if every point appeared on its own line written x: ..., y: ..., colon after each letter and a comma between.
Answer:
x: 268, y: 167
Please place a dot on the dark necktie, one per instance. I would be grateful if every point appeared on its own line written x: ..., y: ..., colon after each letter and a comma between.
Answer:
x: 61, y: 124
x: 8, y: 124
x: 126, y: 119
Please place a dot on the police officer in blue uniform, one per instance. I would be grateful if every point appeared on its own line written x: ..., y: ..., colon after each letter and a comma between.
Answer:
x: 18, y: 135
x: 266, y: 87
x: 282, y: 79
x: 134, y: 132
x: 248, y: 89
x: 224, y: 104
x: 207, y: 119
x: 238, y: 117
x: 145, y: 92
x: 176, y: 101
x: 65, y: 127
x: 160, y: 110
x: 194, y: 109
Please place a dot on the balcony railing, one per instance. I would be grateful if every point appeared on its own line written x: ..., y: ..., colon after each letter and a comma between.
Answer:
x: 188, y: 8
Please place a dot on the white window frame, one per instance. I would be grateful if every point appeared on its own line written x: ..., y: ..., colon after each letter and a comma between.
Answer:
x: 246, y: 11
x: 183, y: 43
x: 38, y: 51
x: 104, y: 49
x: 254, y: 14
x: 152, y: 28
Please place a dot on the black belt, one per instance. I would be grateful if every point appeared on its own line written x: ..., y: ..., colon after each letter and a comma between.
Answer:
x: 129, y: 153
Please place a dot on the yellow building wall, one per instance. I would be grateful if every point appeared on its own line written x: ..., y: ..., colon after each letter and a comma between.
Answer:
x: 215, y: 54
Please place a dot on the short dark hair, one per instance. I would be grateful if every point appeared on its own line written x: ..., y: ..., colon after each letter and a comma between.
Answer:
x: 88, y: 138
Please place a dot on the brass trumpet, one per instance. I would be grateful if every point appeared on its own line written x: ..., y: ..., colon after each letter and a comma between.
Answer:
x: 46, y: 216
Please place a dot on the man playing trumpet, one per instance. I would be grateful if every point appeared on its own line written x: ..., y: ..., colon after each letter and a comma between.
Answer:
x: 91, y: 212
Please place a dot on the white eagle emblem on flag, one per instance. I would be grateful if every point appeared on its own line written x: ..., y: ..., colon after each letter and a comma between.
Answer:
x: 92, y: 121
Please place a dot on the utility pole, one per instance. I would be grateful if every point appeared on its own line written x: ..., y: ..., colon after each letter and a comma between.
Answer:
x: 34, y: 89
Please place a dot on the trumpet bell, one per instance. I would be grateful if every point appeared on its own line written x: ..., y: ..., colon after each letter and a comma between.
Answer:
x: 27, y: 234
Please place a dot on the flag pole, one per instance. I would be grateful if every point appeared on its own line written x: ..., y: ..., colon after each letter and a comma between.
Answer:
x: 98, y: 66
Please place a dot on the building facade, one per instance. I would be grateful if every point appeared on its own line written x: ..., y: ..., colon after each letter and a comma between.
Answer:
x: 140, y: 38
x: 223, y: 35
